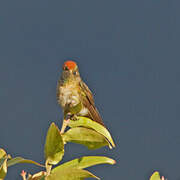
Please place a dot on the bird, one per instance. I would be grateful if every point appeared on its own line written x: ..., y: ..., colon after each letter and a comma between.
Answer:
x: 74, y: 96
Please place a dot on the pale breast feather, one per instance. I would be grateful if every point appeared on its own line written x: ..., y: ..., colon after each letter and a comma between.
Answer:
x: 68, y: 95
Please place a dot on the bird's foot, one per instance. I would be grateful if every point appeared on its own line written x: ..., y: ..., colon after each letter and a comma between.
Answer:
x: 69, y: 116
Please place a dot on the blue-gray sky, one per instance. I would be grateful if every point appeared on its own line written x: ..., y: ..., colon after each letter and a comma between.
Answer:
x: 128, y: 54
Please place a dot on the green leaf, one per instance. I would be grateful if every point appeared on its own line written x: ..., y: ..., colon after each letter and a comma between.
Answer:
x: 3, y: 167
x: 84, y: 162
x: 17, y: 160
x: 85, y: 136
x: 2, y: 153
x: 54, y: 146
x: 71, y: 174
x: 3, y: 163
x: 86, y: 122
x: 155, y: 176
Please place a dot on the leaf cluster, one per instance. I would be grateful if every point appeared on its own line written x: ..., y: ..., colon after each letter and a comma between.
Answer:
x: 83, y: 131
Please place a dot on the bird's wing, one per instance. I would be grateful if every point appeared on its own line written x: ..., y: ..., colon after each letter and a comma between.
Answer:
x: 88, y: 102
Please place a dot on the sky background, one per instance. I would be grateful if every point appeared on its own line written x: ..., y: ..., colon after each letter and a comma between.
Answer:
x: 128, y: 54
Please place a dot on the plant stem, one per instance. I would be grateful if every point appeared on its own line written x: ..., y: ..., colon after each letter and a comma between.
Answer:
x: 48, y: 168
x: 64, y: 125
x: 23, y: 174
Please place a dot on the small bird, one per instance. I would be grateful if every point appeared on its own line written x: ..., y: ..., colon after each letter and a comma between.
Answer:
x: 74, y: 96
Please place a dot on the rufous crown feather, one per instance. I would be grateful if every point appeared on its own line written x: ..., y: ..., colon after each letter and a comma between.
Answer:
x: 70, y: 65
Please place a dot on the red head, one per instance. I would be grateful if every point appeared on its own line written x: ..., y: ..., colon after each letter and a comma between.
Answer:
x: 69, y: 65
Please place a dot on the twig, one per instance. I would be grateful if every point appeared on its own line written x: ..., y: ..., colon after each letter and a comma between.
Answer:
x: 23, y: 174
x: 64, y: 125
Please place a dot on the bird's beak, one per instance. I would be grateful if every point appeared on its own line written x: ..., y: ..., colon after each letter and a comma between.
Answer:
x: 66, y: 74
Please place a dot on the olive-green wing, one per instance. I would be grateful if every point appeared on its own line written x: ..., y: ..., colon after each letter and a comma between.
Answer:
x: 88, y: 102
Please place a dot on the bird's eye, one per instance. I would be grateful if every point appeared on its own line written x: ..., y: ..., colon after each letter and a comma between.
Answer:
x: 65, y: 68
x: 74, y: 72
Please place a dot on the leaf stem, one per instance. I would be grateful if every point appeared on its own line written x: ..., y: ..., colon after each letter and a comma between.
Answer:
x: 48, y: 168
x: 23, y: 174
x: 64, y: 125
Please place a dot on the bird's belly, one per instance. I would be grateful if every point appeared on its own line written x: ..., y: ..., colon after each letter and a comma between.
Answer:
x: 68, y: 97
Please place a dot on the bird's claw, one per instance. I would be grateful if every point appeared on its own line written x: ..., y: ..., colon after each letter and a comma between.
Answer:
x: 68, y: 116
